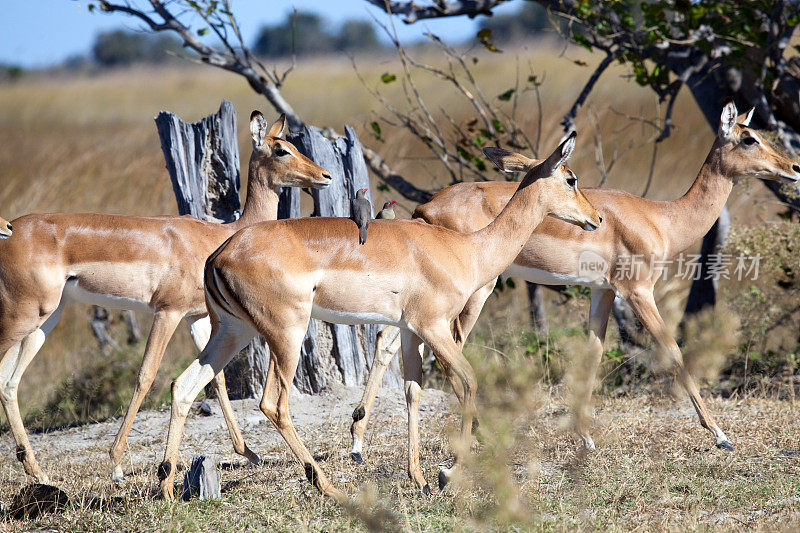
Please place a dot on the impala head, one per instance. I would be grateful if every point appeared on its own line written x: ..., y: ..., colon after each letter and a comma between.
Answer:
x: 5, y: 228
x: 277, y: 161
x: 745, y: 153
x: 560, y: 193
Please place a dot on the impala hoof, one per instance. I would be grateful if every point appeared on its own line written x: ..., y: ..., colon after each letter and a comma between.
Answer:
x: 426, y: 491
x: 442, y: 480
x: 118, y: 480
x: 355, y: 456
x: 255, y: 460
x: 725, y: 445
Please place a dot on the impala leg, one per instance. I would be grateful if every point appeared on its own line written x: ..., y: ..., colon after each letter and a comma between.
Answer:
x: 412, y: 376
x: 201, y: 332
x: 13, y: 365
x: 385, y: 348
x: 230, y: 420
x: 284, y: 347
x: 226, y: 341
x: 462, y: 377
x: 472, y: 310
x: 644, y: 306
x: 164, y: 324
x: 600, y: 309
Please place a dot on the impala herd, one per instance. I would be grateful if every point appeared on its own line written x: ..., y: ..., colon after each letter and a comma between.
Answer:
x: 429, y: 277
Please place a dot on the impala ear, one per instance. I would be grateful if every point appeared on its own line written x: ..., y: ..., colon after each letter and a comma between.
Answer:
x: 277, y: 129
x: 744, y: 120
x: 727, y: 121
x: 258, y: 128
x: 508, y: 161
x: 559, y: 156
x: 567, y: 147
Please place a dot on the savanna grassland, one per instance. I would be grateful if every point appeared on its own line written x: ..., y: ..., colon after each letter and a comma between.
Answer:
x: 88, y: 143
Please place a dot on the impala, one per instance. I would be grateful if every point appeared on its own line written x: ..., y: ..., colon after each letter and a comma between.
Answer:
x: 150, y: 264
x: 632, y: 227
x: 273, y: 277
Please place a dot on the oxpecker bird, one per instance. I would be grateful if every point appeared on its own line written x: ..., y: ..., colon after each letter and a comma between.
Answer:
x: 387, y: 212
x: 361, y: 214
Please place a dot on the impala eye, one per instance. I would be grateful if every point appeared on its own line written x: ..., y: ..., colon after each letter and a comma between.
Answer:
x: 572, y: 182
x: 750, y: 141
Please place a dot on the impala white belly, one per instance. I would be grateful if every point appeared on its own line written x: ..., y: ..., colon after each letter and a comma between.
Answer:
x: 543, y: 277
x: 353, y: 319
x: 74, y: 293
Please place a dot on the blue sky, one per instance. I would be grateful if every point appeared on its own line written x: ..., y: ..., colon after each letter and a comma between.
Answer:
x: 39, y: 33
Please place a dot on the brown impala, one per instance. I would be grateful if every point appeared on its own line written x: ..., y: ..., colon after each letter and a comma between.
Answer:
x: 272, y: 277
x: 632, y: 226
x: 150, y: 264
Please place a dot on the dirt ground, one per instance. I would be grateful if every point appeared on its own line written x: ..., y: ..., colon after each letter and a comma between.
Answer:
x: 655, y: 468
x: 314, y: 416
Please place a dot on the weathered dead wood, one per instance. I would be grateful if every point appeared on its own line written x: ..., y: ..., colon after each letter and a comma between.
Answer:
x: 352, y: 348
x: 203, y: 163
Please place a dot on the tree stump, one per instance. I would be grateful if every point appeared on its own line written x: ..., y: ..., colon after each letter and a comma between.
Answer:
x: 203, y: 163
x: 336, y: 351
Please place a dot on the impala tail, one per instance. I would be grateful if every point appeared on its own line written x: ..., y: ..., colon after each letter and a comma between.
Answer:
x: 218, y: 295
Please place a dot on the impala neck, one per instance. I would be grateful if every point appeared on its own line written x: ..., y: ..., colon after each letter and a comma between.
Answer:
x: 261, y: 203
x: 496, y: 245
x: 689, y: 218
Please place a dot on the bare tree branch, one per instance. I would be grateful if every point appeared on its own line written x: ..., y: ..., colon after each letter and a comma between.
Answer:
x: 238, y: 59
x: 569, y: 119
x: 438, y: 9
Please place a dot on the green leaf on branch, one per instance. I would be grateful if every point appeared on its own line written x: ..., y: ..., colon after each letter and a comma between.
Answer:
x: 376, y: 130
x: 506, y: 96
x: 383, y: 187
x: 388, y: 78
x: 202, y: 31
x: 581, y: 39
x: 485, y: 37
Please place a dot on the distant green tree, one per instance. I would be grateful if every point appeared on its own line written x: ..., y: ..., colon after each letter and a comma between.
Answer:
x: 356, y: 35
x: 530, y: 20
x: 11, y: 72
x: 301, y: 34
x: 306, y: 34
x: 122, y: 47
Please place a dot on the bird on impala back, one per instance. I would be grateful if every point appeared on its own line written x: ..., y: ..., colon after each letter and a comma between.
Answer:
x: 387, y: 212
x: 361, y: 214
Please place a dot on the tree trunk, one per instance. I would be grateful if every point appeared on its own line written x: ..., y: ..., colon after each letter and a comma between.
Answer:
x: 336, y: 351
x: 537, y: 308
x: 203, y: 163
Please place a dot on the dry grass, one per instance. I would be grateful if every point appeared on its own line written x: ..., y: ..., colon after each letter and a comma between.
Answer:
x: 89, y: 144
x: 654, y: 469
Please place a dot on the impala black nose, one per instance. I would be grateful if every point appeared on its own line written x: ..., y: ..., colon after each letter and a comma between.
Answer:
x: 600, y: 219
x: 328, y: 176
x: 796, y: 168
x: 8, y: 226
